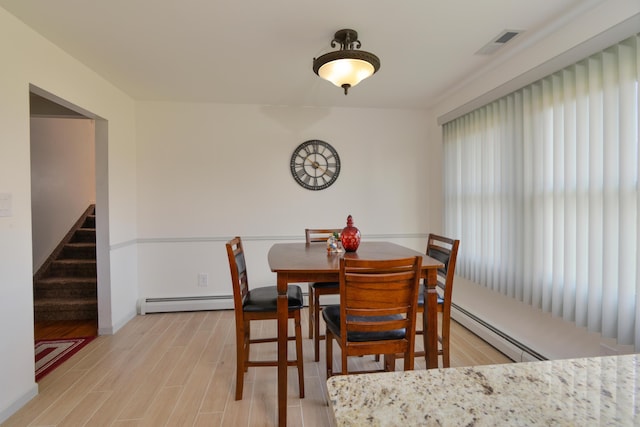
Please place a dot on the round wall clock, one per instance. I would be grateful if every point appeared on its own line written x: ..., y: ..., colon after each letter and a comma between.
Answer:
x: 315, y: 165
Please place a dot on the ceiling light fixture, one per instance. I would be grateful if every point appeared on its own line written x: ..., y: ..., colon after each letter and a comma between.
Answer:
x: 346, y: 67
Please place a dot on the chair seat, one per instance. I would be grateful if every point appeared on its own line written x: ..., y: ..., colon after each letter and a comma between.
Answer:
x: 331, y: 315
x: 265, y: 299
x: 421, y: 297
x: 325, y: 285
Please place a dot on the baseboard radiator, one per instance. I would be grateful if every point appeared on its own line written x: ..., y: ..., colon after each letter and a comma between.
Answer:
x: 521, y: 332
x: 194, y: 303
x: 175, y: 304
x: 507, y: 345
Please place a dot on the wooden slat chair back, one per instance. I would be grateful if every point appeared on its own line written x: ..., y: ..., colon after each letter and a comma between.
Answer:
x: 377, y: 311
x: 259, y: 304
x: 317, y: 235
x: 241, y: 278
x: 317, y: 289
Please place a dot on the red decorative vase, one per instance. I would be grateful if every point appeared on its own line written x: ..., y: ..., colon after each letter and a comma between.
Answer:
x: 350, y: 236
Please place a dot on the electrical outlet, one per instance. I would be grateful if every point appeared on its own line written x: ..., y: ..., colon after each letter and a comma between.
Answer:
x: 203, y: 280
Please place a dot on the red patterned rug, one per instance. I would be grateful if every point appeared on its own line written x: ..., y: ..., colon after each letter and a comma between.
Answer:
x: 51, y: 353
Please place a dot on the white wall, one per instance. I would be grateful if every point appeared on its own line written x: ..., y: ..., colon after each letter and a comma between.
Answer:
x: 208, y: 172
x: 27, y: 58
x: 63, y: 179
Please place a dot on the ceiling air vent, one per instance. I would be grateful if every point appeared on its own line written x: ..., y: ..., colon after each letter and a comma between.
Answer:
x: 498, y: 41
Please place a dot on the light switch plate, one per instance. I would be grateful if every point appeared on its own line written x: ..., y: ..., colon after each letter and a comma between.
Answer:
x: 5, y: 204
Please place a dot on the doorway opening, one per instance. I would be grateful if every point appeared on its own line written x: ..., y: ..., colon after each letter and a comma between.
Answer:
x: 69, y: 180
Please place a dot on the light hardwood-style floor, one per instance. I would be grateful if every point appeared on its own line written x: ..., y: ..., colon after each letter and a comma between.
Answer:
x: 178, y: 369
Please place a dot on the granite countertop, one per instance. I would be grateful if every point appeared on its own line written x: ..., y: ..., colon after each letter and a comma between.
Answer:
x: 571, y: 392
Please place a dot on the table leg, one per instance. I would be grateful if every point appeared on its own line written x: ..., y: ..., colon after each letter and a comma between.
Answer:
x: 283, y: 333
x: 430, y: 320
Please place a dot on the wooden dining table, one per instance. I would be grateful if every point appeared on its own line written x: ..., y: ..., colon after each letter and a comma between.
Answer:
x: 302, y: 262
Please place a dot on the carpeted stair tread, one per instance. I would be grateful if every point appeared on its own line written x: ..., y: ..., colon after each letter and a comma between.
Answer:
x: 66, y: 302
x: 84, y: 235
x: 73, y: 267
x: 89, y: 222
x: 66, y: 309
x: 79, y: 250
x: 67, y: 287
x: 64, y: 281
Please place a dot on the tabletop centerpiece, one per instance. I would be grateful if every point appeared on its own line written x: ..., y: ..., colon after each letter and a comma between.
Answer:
x: 350, y: 236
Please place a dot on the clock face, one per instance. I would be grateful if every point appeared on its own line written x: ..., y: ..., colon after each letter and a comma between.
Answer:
x: 315, y: 165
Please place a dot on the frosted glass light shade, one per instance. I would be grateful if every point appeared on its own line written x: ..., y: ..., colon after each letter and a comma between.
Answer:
x: 346, y: 71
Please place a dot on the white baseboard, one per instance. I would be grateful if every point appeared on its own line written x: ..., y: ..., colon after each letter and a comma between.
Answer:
x: 19, y: 403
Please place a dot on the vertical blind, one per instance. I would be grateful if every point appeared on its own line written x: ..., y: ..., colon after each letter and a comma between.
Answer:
x: 541, y: 187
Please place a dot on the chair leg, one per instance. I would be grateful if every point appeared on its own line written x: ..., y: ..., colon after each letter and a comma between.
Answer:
x: 299, y: 357
x: 246, y: 346
x: 408, y: 361
x: 316, y: 326
x: 329, y: 353
x: 390, y: 362
x: 424, y: 335
x: 311, y: 308
x: 240, y: 361
x: 344, y: 367
x: 445, y: 351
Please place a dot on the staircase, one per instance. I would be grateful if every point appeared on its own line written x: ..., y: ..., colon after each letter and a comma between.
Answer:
x: 65, y: 287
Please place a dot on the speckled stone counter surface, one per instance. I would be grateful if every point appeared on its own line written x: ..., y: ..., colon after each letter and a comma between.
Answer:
x: 572, y: 392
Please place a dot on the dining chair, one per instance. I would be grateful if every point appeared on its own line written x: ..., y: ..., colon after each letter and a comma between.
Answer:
x: 444, y: 250
x: 377, y: 311
x: 318, y: 289
x: 259, y: 304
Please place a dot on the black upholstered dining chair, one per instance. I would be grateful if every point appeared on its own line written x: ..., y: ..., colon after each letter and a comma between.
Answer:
x: 259, y: 304
x: 377, y: 311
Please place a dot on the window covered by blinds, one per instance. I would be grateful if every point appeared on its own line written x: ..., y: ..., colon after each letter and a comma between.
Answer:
x: 541, y: 187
